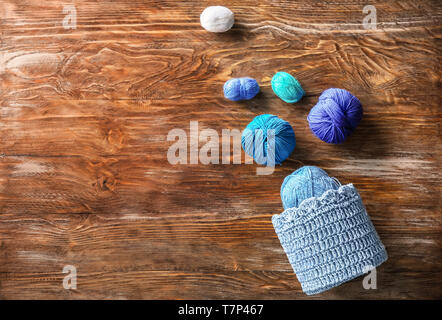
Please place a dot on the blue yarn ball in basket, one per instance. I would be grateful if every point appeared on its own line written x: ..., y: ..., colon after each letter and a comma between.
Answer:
x: 328, y: 236
x: 335, y: 116
x: 286, y: 87
x: 304, y: 183
x: 237, y: 89
x: 256, y: 141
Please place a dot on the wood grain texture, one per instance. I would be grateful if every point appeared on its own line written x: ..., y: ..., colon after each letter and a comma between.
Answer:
x: 85, y: 113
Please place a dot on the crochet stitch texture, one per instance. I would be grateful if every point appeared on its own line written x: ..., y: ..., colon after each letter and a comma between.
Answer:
x: 329, y: 240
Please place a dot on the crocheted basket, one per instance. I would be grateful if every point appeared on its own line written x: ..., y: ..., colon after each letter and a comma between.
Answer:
x: 329, y: 240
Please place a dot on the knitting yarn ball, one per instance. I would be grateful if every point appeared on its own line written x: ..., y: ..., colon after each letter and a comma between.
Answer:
x: 335, y: 116
x: 241, y: 89
x: 305, y: 183
x: 268, y: 139
x: 217, y: 19
x: 286, y: 87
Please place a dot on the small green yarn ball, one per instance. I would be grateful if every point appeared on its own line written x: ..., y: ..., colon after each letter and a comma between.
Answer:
x: 286, y: 87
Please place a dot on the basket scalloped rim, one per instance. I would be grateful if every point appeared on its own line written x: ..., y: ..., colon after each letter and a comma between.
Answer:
x: 308, y: 205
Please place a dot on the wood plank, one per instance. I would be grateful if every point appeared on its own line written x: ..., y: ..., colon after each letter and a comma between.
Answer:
x: 219, y: 285
x: 95, y: 70
x: 185, y: 241
x: 110, y: 128
x: 119, y: 184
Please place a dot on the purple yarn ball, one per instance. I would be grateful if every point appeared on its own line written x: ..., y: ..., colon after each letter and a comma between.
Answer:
x: 335, y: 116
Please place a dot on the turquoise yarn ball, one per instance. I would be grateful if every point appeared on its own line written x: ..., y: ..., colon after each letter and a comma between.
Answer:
x: 286, y: 87
x: 304, y: 183
x: 255, y: 139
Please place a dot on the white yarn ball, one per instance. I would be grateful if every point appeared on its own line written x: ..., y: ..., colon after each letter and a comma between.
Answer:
x: 217, y: 19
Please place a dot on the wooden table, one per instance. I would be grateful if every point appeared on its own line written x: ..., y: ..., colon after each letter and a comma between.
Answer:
x: 84, y: 119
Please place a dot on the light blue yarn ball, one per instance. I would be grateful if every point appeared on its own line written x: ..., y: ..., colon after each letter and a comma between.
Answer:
x: 304, y: 183
x: 241, y: 89
x: 286, y: 87
x: 255, y: 139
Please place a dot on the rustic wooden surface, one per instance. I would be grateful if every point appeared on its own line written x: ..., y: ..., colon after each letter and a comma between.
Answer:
x: 84, y: 116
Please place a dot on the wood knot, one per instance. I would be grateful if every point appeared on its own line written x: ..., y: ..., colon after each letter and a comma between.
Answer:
x: 113, y: 135
x: 105, y: 183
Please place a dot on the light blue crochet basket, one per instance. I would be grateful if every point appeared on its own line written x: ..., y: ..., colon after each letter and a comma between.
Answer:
x: 329, y: 239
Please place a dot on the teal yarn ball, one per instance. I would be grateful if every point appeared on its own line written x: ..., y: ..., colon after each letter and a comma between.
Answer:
x: 304, y: 183
x: 258, y: 143
x: 286, y: 87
